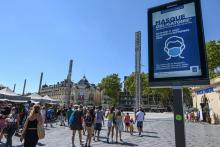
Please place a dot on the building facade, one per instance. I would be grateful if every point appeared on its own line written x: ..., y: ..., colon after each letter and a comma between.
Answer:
x: 150, y: 102
x: 81, y: 92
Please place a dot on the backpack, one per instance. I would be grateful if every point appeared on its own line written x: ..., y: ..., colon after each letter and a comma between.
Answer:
x: 72, y: 119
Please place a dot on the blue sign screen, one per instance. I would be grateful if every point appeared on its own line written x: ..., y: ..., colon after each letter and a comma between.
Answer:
x: 175, y: 42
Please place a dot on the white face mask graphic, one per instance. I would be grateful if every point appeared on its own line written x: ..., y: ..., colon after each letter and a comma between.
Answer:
x: 176, y: 50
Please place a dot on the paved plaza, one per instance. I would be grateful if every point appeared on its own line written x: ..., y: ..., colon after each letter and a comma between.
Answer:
x: 158, y: 132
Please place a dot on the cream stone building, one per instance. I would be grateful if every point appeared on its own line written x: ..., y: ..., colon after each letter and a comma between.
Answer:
x: 208, y: 96
x: 82, y: 92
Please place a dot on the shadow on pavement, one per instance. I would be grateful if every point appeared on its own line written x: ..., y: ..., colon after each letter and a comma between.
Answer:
x: 120, y: 143
x: 149, y: 136
x: 150, y: 132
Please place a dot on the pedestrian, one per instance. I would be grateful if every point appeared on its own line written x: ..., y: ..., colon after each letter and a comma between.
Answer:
x: 29, y: 133
x: 12, y: 123
x: 139, y: 119
x: 131, y: 126
x: 5, y: 111
x: 62, y: 117
x: 43, y: 114
x: 119, y: 125
x: 49, y: 116
x: 110, y: 123
x: 103, y: 113
x: 77, y: 124
x: 83, y: 124
x: 89, y: 121
x: 99, y: 117
x: 127, y: 122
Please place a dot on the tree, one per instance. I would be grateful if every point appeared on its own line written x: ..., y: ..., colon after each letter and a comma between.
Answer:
x: 130, y: 84
x: 111, y: 86
x: 213, y: 55
x: 165, y: 93
x: 187, y: 97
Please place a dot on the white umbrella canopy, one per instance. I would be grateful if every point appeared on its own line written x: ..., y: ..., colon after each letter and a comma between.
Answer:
x: 7, y: 94
x: 8, y: 91
x: 50, y: 99
x: 36, y: 97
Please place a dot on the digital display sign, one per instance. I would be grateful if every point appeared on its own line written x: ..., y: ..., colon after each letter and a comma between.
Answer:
x: 176, y: 42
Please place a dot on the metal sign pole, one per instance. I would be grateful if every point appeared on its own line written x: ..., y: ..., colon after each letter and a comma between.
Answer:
x: 179, y: 116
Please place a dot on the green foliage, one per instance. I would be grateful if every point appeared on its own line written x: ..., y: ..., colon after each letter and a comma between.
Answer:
x: 165, y: 94
x: 145, y: 89
x: 213, y: 55
x: 130, y: 84
x: 187, y: 97
x: 111, y: 86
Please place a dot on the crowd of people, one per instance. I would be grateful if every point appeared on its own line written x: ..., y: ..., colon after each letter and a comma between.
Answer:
x: 23, y: 121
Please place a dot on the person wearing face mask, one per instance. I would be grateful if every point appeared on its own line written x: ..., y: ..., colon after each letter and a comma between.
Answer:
x: 12, y: 122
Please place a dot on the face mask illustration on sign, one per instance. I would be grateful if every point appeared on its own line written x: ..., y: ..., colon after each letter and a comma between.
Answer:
x: 174, y: 47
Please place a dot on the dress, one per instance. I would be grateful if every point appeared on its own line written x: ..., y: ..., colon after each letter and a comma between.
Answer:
x: 31, y: 137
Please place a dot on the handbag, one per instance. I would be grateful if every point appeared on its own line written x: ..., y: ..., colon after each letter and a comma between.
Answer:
x: 40, y: 131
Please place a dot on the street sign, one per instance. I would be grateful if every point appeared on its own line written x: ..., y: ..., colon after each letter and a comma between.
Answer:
x: 176, y: 44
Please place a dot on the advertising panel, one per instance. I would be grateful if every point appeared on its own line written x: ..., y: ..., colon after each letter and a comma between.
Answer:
x: 176, y: 49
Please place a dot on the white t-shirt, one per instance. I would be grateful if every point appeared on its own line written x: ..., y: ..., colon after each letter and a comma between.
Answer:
x: 140, y: 116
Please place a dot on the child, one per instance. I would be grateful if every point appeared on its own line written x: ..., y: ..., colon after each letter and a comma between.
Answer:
x: 131, y: 126
x: 127, y: 122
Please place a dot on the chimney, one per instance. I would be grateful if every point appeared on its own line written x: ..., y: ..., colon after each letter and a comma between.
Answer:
x: 70, y: 70
x: 24, y: 87
x: 41, y: 78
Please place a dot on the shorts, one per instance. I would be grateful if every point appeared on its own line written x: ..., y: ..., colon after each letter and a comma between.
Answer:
x: 140, y: 124
x: 98, y: 126
x: 127, y: 124
x: 110, y: 123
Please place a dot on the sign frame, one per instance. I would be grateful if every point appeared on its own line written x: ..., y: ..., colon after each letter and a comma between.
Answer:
x: 203, y: 79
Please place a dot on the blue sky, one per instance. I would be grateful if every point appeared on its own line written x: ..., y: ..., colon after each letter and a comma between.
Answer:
x: 43, y: 35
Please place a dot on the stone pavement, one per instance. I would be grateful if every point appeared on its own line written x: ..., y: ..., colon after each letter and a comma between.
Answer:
x: 158, y: 132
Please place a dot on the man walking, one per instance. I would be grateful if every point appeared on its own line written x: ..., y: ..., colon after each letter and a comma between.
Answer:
x: 140, y: 118
x: 99, y: 117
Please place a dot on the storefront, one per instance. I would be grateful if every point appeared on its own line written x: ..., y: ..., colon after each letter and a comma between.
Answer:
x: 207, y: 100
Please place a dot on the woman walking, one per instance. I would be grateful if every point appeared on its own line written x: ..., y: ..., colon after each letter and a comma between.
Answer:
x: 29, y: 132
x: 110, y: 123
x: 119, y: 125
